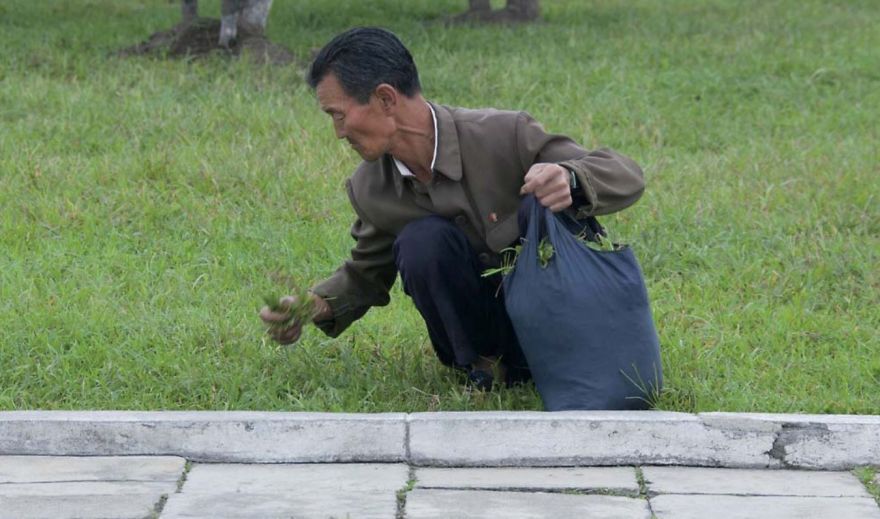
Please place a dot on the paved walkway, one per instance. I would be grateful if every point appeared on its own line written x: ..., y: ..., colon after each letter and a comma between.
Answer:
x: 60, y: 487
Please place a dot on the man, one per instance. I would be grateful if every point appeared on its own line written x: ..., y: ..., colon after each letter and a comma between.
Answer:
x: 437, y: 199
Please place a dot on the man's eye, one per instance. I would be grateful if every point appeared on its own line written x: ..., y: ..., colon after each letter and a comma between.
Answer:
x: 338, y: 116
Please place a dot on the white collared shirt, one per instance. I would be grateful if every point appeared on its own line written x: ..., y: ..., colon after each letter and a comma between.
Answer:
x: 405, y: 171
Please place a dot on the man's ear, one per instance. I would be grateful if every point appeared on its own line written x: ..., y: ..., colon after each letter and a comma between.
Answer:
x: 387, y: 96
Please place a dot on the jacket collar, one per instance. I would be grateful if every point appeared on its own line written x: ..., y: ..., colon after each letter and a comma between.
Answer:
x: 448, y: 153
x: 448, y: 161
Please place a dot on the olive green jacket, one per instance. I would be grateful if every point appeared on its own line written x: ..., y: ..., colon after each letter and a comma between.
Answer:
x: 482, y: 157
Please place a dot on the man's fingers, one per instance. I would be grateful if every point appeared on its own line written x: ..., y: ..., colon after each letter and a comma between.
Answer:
x: 291, y: 335
x: 271, y: 317
x: 543, y: 179
x: 554, y: 192
x: 550, y: 189
x: 528, y: 187
x: 288, y: 338
x: 287, y: 335
x: 552, y: 186
x: 282, y: 314
x: 559, y: 206
x: 281, y: 329
x: 535, y: 179
x: 556, y: 201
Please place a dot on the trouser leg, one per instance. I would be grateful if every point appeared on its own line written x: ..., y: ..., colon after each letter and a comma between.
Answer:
x: 464, y: 312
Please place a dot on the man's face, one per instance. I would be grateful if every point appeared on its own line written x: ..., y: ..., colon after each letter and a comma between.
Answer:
x: 365, y: 126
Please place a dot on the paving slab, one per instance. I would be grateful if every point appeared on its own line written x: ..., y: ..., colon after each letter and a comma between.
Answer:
x: 690, y: 480
x: 467, y: 504
x: 831, y: 442
x: 120, y: 506
x: 88, y: 487
x: 217, y: 436
x: 619, y: 479
x: 676, y: 506
x: 300, y: 490
x: 32, y: 469
x: 573, y: 438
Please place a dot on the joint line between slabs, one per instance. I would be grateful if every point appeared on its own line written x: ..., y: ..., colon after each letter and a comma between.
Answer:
x: 406, y: 439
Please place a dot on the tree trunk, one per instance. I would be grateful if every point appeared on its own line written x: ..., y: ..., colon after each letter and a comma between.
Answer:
x: 479, y: 6
x: 247, y: 17
x: 241, y: 30
x: 254, y: 16
x: 228, y: 22
x: 190, y: 10
x: 524, y: 9
x: 514, y: 11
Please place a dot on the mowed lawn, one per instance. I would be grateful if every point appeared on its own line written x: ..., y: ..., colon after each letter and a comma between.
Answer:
x: 146, y: 206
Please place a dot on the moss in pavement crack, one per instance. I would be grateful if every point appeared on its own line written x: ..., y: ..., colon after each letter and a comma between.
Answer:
x: 868, y: 477
x: 401, y: 494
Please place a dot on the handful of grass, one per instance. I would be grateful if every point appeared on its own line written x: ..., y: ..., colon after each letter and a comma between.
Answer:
x: 602, y: 243
x: 302, y: 310
x: 545, y: 253
x: 510, y: 254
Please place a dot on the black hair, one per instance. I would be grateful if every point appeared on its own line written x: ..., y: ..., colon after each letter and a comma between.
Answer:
x: 363, y: 58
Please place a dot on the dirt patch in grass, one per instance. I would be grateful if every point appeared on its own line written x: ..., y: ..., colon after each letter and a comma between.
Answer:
x: 199, y: 38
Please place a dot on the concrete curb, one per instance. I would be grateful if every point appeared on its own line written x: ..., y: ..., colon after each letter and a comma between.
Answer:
x: 737, y: 440
x: 212, y: 436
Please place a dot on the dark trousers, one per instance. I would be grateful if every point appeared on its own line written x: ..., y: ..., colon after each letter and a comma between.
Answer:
x: 463, y: 311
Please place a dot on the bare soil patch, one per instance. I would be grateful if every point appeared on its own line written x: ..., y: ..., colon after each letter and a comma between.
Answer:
x: 198, y: 38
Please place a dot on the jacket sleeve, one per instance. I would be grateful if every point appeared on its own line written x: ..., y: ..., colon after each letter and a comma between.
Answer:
x: 361, y: 282
x: 608, y: 180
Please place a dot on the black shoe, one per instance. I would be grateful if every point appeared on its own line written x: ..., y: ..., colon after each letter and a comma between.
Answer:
x: 480, y: 380
x: 516, y: 376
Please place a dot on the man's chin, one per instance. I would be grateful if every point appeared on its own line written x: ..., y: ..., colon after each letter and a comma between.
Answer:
x: 369, y: 157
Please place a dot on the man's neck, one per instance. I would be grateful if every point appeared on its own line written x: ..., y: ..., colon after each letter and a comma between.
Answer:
x: 413, y: 143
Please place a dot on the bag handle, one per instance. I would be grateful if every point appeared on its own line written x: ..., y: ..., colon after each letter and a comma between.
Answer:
x: 590, y: 227
x: 538, y: 214
x: 537, y: 227
x: 543, y: 222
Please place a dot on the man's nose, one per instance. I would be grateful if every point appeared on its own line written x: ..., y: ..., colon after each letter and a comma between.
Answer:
x: 340, y: 130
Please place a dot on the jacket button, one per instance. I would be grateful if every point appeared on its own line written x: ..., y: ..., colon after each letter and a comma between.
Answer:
x: 461, y: 220
x: 484, y: 258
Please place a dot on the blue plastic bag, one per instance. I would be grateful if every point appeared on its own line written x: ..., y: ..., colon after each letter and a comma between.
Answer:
x: 583, y: 322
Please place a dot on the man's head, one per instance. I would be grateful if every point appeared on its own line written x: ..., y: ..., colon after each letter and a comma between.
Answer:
x: 358, y: 78
x: 363, y: 58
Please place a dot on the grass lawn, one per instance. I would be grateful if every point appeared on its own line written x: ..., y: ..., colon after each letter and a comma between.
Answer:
x: 146, y: 204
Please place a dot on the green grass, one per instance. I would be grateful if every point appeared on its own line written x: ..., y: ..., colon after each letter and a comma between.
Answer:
x: 145, y: 204
x: 867, y: 475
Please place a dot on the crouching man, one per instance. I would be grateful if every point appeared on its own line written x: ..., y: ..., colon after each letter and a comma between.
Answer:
x: 436, y: 199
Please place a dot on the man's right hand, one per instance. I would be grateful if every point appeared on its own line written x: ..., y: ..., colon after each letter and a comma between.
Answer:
x: 281, y: 328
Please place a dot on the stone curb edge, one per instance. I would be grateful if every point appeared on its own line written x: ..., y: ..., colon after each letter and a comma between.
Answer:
x: 740, y: 440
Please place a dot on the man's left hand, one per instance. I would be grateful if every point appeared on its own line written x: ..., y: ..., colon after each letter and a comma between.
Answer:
x: 551, y: 184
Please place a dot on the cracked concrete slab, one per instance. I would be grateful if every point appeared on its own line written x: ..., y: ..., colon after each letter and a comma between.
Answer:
x: 675, y: 506
x: 300, y: 490
x: 573, y: 438
x: 32, y: 469
x: 832, y: 442
x: 618, y: 479
x: 67, y: 487
x: 469, y: 504
x: 692, y: 480
x: 121, y: 506
x: 88, y: 488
